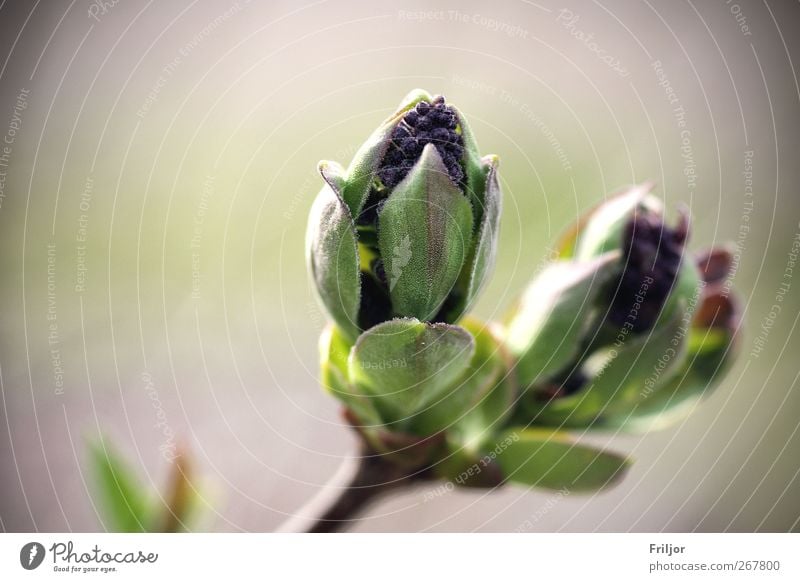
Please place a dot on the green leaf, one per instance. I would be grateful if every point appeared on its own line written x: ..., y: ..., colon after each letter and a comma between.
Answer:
x: 602, y: 230
x: 542, y: 458
x: 424, y: 233
x: 709, y: 353
x: 546, y: 328
x: 480, y: 261
x: 332, y: 253
x: 621, y: 376
x: 406, y: 364
x: 334, y: 348
x: 476, y: 406
x: 124, y: 506
x: 364, y: 166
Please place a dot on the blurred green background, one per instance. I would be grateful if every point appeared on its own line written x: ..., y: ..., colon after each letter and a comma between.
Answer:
x: 153, y: 205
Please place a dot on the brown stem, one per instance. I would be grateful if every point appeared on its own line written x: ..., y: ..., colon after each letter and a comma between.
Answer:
x: 374, y: 477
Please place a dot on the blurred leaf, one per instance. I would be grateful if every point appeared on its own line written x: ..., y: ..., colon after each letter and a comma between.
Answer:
x: 685, y: 293
x: 125, y: 507
x: 406, y: 364
x: 542, y: 458
x: 424, y: 233
x: 468, y: 468
x: 710, y: 350
x: 553, y: 314
x: 620, y: 377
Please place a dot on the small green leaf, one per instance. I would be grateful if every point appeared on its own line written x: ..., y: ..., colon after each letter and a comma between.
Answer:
x: 542, y: 458
x: 332, y: 253
x: 546, y: 328
x: 424, y: 233
x: 406, y: 364
x: 334, y: 350
x: 125, y: 508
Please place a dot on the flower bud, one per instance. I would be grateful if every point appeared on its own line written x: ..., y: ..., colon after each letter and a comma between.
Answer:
x: 410, y: 228
x: 617, y: 330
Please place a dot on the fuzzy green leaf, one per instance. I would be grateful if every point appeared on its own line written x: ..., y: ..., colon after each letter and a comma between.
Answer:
x: 406, y: 364
x: 334, y: 350
x: 332, y: 253
x: 424, y: 234
x: 480, y: 401
x: 480, y: 262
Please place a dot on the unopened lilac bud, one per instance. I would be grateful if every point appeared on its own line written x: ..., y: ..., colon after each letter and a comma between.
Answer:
x: 627, y: 324
x: 409, y: 229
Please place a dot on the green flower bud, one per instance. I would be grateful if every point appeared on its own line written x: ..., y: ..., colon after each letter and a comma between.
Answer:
x: 409, y: 229
x: 617, y: 328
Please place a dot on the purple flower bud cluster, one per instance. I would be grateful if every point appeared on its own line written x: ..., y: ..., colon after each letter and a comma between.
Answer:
x: 652, y: 261
x: 434, y: 123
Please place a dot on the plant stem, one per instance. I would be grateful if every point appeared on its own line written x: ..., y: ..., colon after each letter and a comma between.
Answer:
x: 359, y: 482
x: 373, y: 478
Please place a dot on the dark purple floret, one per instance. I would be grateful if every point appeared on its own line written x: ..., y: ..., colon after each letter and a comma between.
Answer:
x: 562, y: 386
x: 653, y: 253
x: 433, y: 122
